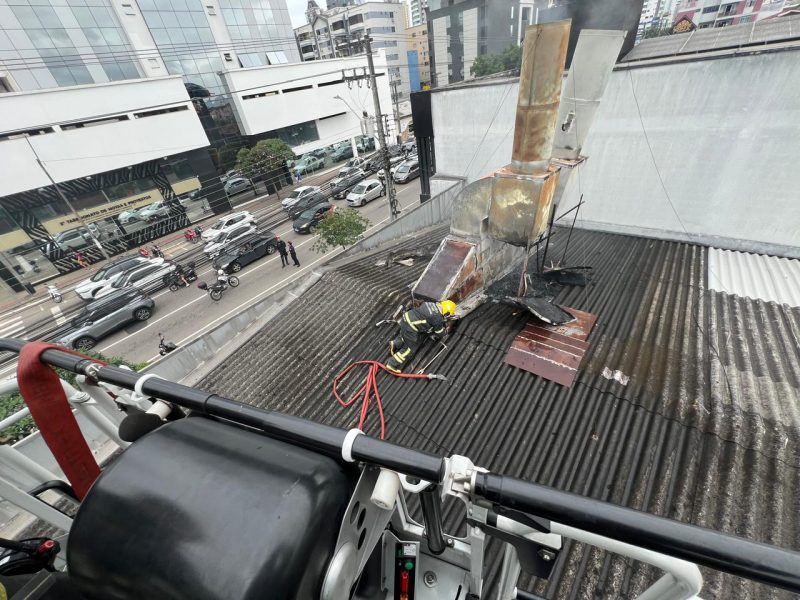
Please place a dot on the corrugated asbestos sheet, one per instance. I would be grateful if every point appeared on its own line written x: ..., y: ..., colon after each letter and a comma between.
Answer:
x: 758, y: 276
x: 717, y: 38
x: 705, y: 431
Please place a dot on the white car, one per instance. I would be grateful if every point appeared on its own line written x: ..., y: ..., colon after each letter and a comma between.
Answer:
x: 87, y: 288
x: 151, y: 212
x: 225, y: 224
x: 128, y: 216
x: 297, y: 194
x: 364, y: 192
x: 212, y: 249
x: 146, y: 278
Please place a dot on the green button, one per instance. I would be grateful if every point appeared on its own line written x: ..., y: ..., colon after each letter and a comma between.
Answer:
x: 409, y: 565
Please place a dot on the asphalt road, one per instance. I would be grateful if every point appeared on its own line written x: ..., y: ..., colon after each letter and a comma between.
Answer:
x: 189, y: 313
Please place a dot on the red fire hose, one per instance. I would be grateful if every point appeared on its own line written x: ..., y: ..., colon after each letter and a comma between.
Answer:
x: 370, y: 387
x: 41, y: 388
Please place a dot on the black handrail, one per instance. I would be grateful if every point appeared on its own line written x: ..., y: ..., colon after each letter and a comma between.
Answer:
x: 734, y: 555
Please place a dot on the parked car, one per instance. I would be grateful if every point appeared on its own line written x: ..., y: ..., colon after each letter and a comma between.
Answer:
x: 365, y: 144
x: 343, y: 151
x: 214, y: 248
x: 154, y: 211
x: 306, y: 222
x: 147, y: 277
x: 128, y: 216
x: 307, y: 164
x: 230, y: 175
x: 298, y: 194
x: 236, y: 256
x: 361, y: 162
x: 87, y: 288
x: 237, y: 185
x: 348, y: 177
x: 406, y: 172
x: 306, y: 203
x: 226, y: 224
x: 377, y: 164
x: 365, y: 191
x: 106, y: 315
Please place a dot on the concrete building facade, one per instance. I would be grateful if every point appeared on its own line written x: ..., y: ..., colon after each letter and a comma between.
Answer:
x: 459, y: 32
x: 418, y: 53
x: 338, y: 32
x: 724, y: 13
x: 417, y: 12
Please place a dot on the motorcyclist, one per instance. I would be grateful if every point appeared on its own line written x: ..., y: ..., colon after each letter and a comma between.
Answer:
x: 222, y: 278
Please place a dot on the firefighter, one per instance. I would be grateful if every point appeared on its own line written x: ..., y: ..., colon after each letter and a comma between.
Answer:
x: 427, y: 319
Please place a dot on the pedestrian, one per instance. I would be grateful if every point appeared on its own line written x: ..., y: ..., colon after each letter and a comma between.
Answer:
x: 299, y: 177
x: 144, y: 252
x: 156, y: 251
x: 281, y: 245
x: 79, y: 258
x: 293, y: 254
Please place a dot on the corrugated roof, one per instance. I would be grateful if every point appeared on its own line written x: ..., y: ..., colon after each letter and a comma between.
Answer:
x: 718, y: 38
x: 705, y: 431
x: 769, y: 278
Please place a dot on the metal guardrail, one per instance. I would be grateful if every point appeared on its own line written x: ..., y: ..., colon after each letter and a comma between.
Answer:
x: 763, y: 563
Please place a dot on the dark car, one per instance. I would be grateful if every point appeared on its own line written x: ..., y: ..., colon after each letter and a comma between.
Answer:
x: 406, y: 172
x: 311, y: 217
x: 342, y: 152
x: 305, y: 203
x: 234, y: 258
x: 105, y: 316
x: 348, y: 177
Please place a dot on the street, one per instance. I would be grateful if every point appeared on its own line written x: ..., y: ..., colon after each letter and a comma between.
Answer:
x: 188, y: 313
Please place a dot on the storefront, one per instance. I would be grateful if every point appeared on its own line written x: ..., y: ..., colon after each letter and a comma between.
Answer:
x: 48, y: 231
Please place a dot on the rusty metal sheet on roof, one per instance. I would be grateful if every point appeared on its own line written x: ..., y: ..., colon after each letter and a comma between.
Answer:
x: 453, y: 264
x: 552, y: 352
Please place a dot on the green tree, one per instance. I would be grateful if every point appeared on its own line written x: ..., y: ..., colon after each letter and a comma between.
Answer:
x: 654, y: 32
x: 340, y: 228
x: 509, y: 59
x: 265, y: 156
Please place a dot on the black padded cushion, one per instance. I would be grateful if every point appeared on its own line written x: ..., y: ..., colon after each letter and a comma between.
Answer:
x: 203, y: 510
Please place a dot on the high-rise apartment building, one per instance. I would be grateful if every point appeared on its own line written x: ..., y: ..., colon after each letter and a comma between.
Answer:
x: 338, y: 32
x: 419, y: 69
x: 417, y: 12
x: 722, y: 13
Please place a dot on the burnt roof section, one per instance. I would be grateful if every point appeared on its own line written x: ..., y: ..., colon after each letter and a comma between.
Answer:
x: 705, y: 431
x: 747, y: 36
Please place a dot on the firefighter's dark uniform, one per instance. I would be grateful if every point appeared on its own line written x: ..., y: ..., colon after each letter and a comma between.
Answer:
x: 415, y: 325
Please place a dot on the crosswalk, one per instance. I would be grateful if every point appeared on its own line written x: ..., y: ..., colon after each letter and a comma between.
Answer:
x: 12, y: 326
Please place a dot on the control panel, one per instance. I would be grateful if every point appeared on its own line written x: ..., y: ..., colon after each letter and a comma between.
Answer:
x: 405, y: 570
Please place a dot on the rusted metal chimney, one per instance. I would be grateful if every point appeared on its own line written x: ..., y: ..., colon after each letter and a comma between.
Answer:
x: 496, y: 218
x: 522, y: 193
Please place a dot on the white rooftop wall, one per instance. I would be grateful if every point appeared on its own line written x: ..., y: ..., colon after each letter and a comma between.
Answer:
x: 724, y: 135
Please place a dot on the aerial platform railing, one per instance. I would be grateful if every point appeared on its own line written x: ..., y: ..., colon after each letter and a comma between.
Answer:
x: 502, y: 500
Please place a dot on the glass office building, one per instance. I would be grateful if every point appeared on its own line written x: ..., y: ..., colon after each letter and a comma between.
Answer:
x: 45, y: 44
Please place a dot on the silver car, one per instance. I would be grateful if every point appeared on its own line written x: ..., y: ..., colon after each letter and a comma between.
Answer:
x: 107, y: 315
x: 147, y: 277
x: 364, y: 192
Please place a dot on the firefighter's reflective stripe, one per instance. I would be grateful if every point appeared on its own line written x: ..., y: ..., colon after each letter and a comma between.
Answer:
x: 413, y: 324
x: 402, y: 355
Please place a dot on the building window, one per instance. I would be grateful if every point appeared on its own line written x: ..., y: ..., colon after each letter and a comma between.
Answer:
x: 710, y: 9
x: 392, y: 57
x: 355, y: 19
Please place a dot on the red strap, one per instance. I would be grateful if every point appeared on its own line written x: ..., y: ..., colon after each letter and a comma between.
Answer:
x: 41, y: 388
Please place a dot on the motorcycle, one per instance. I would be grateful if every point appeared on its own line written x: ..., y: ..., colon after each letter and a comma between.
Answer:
x: 55, y: 294
x: 165, y: 348
x: 222, y: 283
x: 174, y: 281
x: 191, y: 235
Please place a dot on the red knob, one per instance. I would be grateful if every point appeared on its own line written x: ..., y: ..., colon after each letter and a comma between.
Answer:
x: 404, y: 582
x: 46, y: 546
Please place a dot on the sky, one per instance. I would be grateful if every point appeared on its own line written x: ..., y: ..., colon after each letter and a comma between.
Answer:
x: 297, y: 10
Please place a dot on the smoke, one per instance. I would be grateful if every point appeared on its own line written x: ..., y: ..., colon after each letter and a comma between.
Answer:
x: 597, y: 14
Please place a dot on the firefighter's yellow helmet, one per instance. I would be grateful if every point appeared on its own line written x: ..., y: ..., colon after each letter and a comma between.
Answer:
x: 447, y: 307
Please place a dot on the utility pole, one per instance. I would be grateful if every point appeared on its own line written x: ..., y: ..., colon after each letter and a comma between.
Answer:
x: 387, y: 175
x: 65, y: 200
